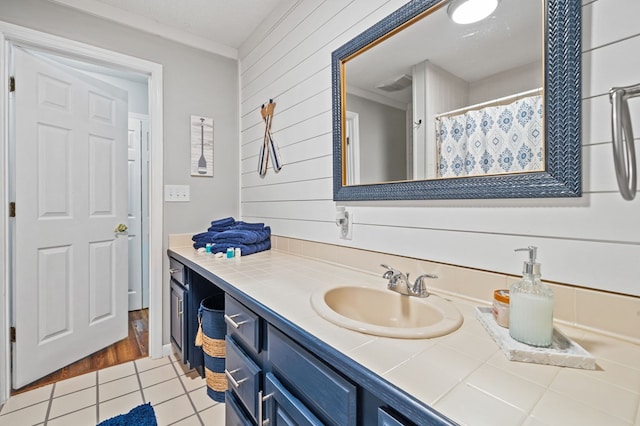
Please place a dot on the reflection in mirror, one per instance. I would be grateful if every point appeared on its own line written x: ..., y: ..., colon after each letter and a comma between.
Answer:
x: 444, y: 100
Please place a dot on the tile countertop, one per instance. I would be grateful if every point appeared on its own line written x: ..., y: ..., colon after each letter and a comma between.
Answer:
x: 463, y: 375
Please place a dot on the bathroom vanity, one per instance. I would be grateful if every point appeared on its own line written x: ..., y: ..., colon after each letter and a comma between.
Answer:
x: 278, y: 371
x: 288, y: 364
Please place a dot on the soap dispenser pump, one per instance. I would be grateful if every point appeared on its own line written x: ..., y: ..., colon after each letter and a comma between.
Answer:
x: 531, y: 306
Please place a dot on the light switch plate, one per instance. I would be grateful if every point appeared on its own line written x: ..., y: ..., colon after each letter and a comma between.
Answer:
x: 176, y: 193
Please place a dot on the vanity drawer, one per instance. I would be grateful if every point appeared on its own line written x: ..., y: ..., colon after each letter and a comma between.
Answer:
x: 177, y: 271
x: 327, y: 394
x: 242, y: 323
x: 243, y: 376
x: 233, y: 414
x: 388, y: 418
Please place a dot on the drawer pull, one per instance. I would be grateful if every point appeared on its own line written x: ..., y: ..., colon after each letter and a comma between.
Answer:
x: 174, y: 270
x: 261, y: 400
x: 229, y: 320
x: 233, y: 381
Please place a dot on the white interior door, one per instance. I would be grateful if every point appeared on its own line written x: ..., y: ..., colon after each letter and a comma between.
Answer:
x: 70, y: 180
x: 135, y: 213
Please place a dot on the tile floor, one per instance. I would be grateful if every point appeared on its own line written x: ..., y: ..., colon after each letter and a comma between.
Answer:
x: 178, y: 397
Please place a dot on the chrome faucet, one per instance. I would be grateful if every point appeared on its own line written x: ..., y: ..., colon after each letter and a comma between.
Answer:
x: 399, y: 282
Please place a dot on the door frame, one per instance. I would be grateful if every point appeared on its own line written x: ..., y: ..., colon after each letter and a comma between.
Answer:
x: 15, y: 34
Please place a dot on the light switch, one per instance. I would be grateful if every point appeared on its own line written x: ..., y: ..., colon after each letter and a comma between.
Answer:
x: 176, y: 193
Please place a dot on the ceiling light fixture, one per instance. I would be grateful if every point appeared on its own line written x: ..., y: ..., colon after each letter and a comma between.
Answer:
x: 470, y: 11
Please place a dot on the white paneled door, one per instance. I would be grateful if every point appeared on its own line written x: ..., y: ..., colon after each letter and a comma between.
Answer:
x: 70, y: 179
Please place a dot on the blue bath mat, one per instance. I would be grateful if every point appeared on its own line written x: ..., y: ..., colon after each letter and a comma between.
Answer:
x: 142, y: 415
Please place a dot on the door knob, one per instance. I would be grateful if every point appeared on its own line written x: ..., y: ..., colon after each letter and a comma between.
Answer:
x: 120, y: 228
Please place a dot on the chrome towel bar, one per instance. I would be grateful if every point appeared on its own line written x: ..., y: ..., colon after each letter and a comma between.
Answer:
x: 624, y: 155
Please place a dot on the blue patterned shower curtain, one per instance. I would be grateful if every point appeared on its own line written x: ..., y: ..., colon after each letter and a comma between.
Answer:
x: 492, y: 140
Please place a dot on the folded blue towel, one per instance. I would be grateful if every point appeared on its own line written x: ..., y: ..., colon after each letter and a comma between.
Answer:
x: 245, y: 225
x: 205, y: 236
x: 242, y: 236
x: 227, y: 232
x: 227, y: 221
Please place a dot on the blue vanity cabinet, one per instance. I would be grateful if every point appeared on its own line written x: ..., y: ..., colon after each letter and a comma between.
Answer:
x: 329, y: 395
x: 282, y: 375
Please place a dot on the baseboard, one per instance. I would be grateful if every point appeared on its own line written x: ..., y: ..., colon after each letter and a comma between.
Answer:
x: 167, y: 349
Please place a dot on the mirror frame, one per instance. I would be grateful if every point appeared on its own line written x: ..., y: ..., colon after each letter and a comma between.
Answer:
x: 562, y: 122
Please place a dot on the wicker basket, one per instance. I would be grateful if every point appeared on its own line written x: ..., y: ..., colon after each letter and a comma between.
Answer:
x: 211, y: 316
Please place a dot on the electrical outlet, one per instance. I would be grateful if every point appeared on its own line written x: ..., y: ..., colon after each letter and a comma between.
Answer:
x: 349, y: 228
x: 177, y: 193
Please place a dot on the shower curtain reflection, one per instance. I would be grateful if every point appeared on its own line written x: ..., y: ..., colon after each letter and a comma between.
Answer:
x: 490, y: 140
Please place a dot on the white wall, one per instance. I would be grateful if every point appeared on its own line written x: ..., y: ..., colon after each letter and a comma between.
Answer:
x: 509, y: 82
x: 592, y: 241
x: 195, y: 83
x: 383, y: 141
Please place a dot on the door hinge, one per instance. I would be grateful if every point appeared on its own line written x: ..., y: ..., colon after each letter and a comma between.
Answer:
x: 12, y: 209
x: 12, y: 334
x: 12, y: 84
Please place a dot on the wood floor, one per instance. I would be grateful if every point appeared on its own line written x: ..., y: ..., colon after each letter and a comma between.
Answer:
x: 135, y: 346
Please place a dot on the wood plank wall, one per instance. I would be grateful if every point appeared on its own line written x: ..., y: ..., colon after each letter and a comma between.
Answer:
x: 593, y: 241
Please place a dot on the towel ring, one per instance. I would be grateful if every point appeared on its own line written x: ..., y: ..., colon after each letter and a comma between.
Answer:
x: 624, y: 155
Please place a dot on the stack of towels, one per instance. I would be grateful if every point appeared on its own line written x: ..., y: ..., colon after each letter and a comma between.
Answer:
x: 227, y: 232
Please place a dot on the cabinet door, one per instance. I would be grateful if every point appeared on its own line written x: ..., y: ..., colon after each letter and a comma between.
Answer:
x: 285, y: 409
x: 177, y: 320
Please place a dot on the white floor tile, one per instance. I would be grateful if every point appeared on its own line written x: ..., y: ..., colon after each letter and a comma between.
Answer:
x: 201, y: 400
x: 164, y: 391
x: 173, y: 410
x: 86, y: 417
x: 27, y: 398
x: 120, y: 405
x: 189, y: 421
x: 116, y: 372
x: 116, y: 388
x: 72, y: 402
x: 144, y: 364
x: 213, y: 416
x: 26, y: 416
x: 75, y: 384
x: 157, y: 375
x: 193, y: 381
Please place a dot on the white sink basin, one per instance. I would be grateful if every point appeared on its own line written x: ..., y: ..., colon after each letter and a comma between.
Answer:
x: 383, y: 312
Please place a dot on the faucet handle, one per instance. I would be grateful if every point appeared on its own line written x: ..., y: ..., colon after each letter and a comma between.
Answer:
x: 420, y: 287
x: 389, y: 273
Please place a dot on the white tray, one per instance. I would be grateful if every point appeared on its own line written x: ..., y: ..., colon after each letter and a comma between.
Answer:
x: 563, y: 351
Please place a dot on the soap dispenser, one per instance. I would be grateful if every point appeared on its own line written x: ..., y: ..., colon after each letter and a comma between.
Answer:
x: 531, y: 306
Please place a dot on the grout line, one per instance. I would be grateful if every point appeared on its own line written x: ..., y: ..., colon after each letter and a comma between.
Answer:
x: 184, y: 388
x: 46, y: 416
x: 97, y: 397
x: 135, y: 367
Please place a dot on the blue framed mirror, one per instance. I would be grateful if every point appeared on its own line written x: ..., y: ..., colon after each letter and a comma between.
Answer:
x: 425, y: 108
